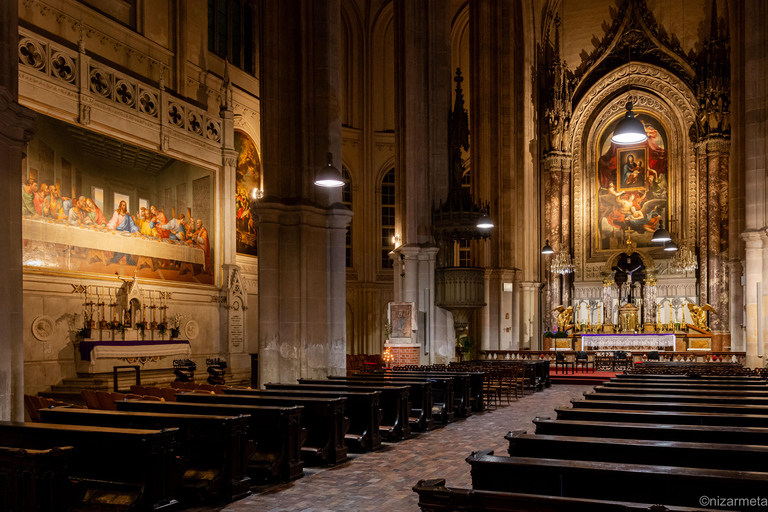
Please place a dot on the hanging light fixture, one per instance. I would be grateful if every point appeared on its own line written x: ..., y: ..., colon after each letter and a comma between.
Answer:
x: 661, y: 234
x: 547, y: 249
x: 629, y: 130
x: 485, y: 221
x: 684, y: 260
x: 562, y: 264
x: 670, y: 246
x: 329, y: 176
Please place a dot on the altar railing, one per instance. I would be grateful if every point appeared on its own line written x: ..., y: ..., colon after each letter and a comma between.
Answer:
x: 636, y: 355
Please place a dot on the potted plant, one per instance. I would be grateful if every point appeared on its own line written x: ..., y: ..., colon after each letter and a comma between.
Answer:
x: 161, y: 328
x: 466, y: 345
x: 140, y: 326
x: 84, y: 332
x: 176, y: 325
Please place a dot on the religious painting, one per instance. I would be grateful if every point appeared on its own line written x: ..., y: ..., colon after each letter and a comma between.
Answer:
x: 115, y: 218
x: 400, y: 317
x: 248, y: 188
x: 632, y: 183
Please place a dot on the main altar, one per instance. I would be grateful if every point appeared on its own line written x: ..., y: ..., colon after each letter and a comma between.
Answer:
x: 628, y: 341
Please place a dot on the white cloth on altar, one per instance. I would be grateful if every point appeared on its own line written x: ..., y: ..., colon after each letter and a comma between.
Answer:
x: 627, y: 341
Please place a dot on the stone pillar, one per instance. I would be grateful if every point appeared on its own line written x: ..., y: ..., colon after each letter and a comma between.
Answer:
x: 754, y: 274
x: 16, y: 128
x: 422, y: 103
x: 753, y: 49
x: 302, y: 314
x: 715, y: 285
x: 557, y: 214
x: 530, y: 337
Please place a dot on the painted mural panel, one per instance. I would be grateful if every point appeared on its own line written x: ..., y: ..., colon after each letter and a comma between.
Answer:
x: 632, y: 184
x: 248, y: 179
x: 98, y: 225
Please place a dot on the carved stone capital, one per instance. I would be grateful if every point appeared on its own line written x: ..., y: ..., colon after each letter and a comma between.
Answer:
x: 557, y: 161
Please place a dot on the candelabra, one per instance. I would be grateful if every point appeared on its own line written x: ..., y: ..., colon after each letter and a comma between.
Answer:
x: 684, y: 259
x: 562, y: 264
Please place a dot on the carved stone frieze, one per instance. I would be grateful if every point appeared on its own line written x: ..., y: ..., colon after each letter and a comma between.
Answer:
x: 87, y: 31
x: 634, y: 33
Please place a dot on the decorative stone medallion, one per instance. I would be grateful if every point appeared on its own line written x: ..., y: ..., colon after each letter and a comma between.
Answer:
x: 43, y: 327
x: 191, y: 330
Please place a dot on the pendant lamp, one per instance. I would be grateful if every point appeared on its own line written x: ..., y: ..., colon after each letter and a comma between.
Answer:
x: 670, y: 246
x: 485, y: 222
x: 661, y: 234
x: 329, y: 176
x: 547, y: 249
x: 629, y: 130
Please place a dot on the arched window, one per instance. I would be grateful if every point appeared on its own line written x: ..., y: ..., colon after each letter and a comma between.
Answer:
x: 463, y: 245
x: 346, y: 199
x: 387, y: 217
x: 232, y: 32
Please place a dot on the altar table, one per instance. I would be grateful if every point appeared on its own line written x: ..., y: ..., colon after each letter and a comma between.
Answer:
x: 628, y: 341
x: 95, y: 357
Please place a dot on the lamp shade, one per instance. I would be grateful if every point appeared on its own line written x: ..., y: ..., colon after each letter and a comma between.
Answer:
x: 329, y: 176
x: 629, y: 130
x: 547, y: 249
x: 670, y: 246
x: 485, y: 222
x: 661, y: 234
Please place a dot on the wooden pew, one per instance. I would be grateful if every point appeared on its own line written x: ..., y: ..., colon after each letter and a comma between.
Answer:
x: 435, y: 497
x: 660, y: 432
x: 276, y: 431
x: 611, y: 481
x: 671, y: 406
x: 537, y: 372
x: 36, y: 480
x: 464, y: 393
x: 628, y: 415
x: 682, y: 391
x: 687, y: 385
x: 725, y: 379
x: 362, y: 411
x: 439, y: 389
x: 640, y: 397
x: 394, y: 403
x: 122, y: 468
x: 419, y: 395
x: 216, y: 448
x: 323, y: 418
x: 632, y: 451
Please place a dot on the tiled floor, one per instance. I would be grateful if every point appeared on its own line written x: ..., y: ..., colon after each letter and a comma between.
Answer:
x: 382, y: 480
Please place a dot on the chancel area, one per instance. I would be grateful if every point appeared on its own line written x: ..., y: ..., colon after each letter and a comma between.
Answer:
x: 329, y: 254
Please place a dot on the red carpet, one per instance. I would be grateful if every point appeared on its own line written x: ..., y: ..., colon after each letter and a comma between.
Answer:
x: 580, y: 377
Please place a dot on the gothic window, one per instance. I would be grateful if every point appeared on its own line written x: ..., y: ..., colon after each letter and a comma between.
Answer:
x: 231, y: 29
x: 387, y: 217
x: 346, y: 199
x: 463, y: 245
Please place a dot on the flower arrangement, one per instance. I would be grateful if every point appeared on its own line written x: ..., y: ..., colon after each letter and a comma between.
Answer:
x: 176, y: 325
x: 556, y: 334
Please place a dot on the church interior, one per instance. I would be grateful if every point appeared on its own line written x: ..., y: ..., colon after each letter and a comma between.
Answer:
x: 383, y: 255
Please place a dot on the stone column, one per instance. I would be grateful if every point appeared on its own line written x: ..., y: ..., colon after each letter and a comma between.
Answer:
x: 530, y: 337
x: 715, y: 174
x: 754, y: 274
x: 302, y: 318
x: 422, y: 103
x: 16, y: 128
x: 754, y: 53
